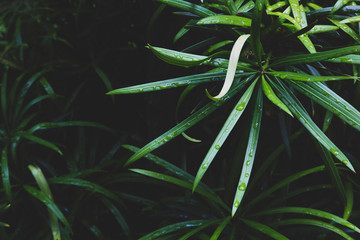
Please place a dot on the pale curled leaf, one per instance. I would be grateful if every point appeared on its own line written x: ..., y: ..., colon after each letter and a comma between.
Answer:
x: 234, y: 57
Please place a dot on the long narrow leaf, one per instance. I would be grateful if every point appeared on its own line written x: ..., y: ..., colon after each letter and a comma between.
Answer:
x: 255, y: 29
x: 185, y: 124
x: 300, y: 113
x: 190, y: 7
x: 198, y: 229
x: 44, y: 187
x: 5, y: 175
x: 224, y: 133
x: 250, y: 152
x: 41, y: 142
x: 49, y: 203
x: 47, y: 125
x: 312, y: 212
x: 349, y: 200
x: 264, y: 229
x: 308, y: 78
x: 313, y: 222
x: 327, y: 98
x: 178, y: 182
x: 314, y: 57
x: 220, y: 229
x: 174, y: 227
x: 175, y: 82
x: 227, y: 20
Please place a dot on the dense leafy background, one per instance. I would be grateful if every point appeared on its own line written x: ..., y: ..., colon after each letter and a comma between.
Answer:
x: 83, y: 49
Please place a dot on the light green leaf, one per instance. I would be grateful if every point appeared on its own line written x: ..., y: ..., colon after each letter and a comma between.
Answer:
x: 339, y: 4
x: 348, y: 30
x: 272, y: 96
x: 306, y: 77
x: 224, y: 133
x: 176, y: 82
x: 250, y: 152
x: 351, y: 58
x: 314, y: 57
x: 246, y: 7
x: 351, y: 19
x: 226, y: 20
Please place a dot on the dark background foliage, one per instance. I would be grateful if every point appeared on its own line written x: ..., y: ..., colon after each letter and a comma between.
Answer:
x: 86, y: 48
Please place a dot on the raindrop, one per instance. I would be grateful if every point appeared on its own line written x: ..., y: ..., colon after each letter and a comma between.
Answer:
x: 217, y: 147
x: 247, y: 175
x: 334, y: 151
x: 204, y: 166
x: 241, y: 106
x: 242, y: 186
x: 248, y: 163
x: 236, y: 204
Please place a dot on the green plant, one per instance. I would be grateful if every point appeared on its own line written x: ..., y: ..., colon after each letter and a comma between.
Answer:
x: 306, y: 47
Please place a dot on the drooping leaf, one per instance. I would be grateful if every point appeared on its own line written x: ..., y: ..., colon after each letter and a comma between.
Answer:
x: 190, y: 7
x: 226, y: 20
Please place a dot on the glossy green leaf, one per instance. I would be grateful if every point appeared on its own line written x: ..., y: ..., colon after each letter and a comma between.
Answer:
x: 322, y: 28
x: 351, y: 19
x: 348, y: 30
x: 41, y: 142
x: 327, y: 98
x: 246, y: 7
x: 176, y: 82
x: 226, y: 20
x: 48, y: 203
x: 44, y: 187
x: 250, y: 152
x: 174, y: 227
x: 190, y: 7
x: 4, y: 102
x: 270, y: 94
x: 5, y: 174
x: 300, y: 113
x: 339, y: 4
x: 312, y: 212
x: 264, y: 229
x: 283, y: 183
x: 307, y: 77
x: 351, y: 58
x: 275, y: 6
x: 218, y: 45
x: 189, y: 60
x: 313, y: 222
x: 224, y: 133
x: 186, y: 124
x: 306, y: 41
x: 230, y: 74
x: 256, y: 28
x: 220, y: 229
x: 314, y: 57
x: 295, y: 9
x: 349, y: 200
x: 327, y: 120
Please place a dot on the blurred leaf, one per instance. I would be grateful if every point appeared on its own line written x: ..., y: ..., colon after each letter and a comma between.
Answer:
x: 220, y: 229
x: 48, y: 203
x: 174, y: 227
x: 349, y: 200
x: 190, y: 7
x: 5, y: 174
x: 312, y: 222
x: 264, y: 229
x: 312, y: 212
x: 41, y: 142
